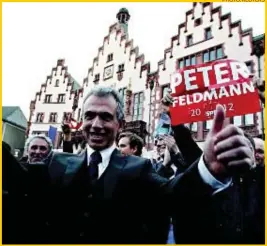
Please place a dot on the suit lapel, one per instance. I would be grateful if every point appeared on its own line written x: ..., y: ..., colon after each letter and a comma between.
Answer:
x: 112, y: 173
x: 74, y: 163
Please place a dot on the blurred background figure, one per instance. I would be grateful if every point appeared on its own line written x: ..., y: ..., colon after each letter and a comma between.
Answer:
x: 259, y: 151
x: 130, y: 144
x: 72, y: 142
x: 37, y: 149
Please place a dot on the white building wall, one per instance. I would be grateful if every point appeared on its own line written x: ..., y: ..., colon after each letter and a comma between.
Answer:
x: 54, y: 106
x: 231, y: 45
x: 121, y: 55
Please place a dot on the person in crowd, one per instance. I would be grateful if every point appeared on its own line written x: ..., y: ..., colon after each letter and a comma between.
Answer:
x: 101, y: 196
x: 130, y: 144
x: 169, y: 161
x: 37, y: 148
x: 260, y: 85
x: 24, y: 200
x: 234, y: 213
x: 259, y: 151
x: 72, y: 144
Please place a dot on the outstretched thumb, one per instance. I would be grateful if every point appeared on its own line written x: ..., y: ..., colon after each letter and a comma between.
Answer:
x: 218, y: 120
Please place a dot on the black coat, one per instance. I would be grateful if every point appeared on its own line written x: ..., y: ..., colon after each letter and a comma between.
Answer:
x: 232, y: 216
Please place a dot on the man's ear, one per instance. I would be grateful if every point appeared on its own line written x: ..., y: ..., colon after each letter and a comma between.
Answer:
x: 134, y: 149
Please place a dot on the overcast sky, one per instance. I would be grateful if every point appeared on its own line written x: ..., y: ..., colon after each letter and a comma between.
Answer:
x: 35, y: 35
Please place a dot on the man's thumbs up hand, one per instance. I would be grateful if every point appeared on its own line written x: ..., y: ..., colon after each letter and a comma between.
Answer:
x: 226, y: 148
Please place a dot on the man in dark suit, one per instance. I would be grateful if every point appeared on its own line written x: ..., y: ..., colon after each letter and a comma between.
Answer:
x: 101, y: 196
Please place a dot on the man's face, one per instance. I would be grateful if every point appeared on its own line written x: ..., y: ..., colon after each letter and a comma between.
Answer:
x: 100, y: 124
x: 161, y: 146
x: 259, y: 152
x: 124, y: 147
x: 38, y: 150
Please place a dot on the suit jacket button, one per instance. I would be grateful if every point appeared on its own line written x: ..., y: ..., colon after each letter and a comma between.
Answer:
x: 82, y: 234
x: 90, y: 196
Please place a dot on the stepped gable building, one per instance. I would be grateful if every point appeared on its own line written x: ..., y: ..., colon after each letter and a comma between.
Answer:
x: 53, y: 102
x: 120, y: 65
x: 207, y: 34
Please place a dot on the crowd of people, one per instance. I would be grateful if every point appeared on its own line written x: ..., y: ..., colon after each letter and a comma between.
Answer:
x: 105, y: 192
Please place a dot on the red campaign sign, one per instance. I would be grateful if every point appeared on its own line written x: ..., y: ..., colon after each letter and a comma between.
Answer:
x: 198, y: 89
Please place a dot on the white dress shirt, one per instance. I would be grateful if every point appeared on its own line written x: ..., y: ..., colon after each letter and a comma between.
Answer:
x: 105, y: 154
x: 210, y: 180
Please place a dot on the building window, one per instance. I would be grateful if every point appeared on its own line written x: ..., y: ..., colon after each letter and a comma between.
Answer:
x: 187, y: 61
x: 67, y: 116
x: 57, y: 83
x: 165, y: 90
x: 53, y: 117
x: 40, y: 117
x: 181, y: 63
x: 208, y: 33
x: 219, y: 53
x: 193, y: 60
x: 206, y: 56
x: 138, y: 106
x: 121, y: 68
x: 250, y: 67
x: 249, y: 119
x: 193, y: 127
x: 189, y: 40
x: 110, y: 57
x: 61, y: 98
x: 212, y: 55
x: 48, y: 98
x: 97, y: 77
x: 237, y: 120
x: 122, y: 93
x: 198, y: 22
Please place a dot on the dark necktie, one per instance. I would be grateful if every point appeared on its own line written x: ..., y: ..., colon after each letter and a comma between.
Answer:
x: 95, y: 159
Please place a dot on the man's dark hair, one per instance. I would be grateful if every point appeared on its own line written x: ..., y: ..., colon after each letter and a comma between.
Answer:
x: 134, y: 141
x: 251, y: 140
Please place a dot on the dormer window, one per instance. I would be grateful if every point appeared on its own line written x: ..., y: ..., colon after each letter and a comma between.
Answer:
x: 208, y: 33
x: 110, y: 57
x: 61, y: 98
x: 48, y: 98
x: 97, y: 77
x: 189, y: 40
x: 121, y: 68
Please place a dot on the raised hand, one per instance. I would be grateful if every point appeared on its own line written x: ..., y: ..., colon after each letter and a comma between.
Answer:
x: 171, y: 144
x: 226, y: 150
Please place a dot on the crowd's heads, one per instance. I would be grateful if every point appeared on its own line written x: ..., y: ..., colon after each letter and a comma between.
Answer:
x: 38, y: 148
x: 102, y: 117
x: 130, y: 144
x: 259, y: 151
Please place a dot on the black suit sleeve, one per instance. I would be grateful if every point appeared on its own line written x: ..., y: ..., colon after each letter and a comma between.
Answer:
x: 189, y: 204
x: 188, y: 147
